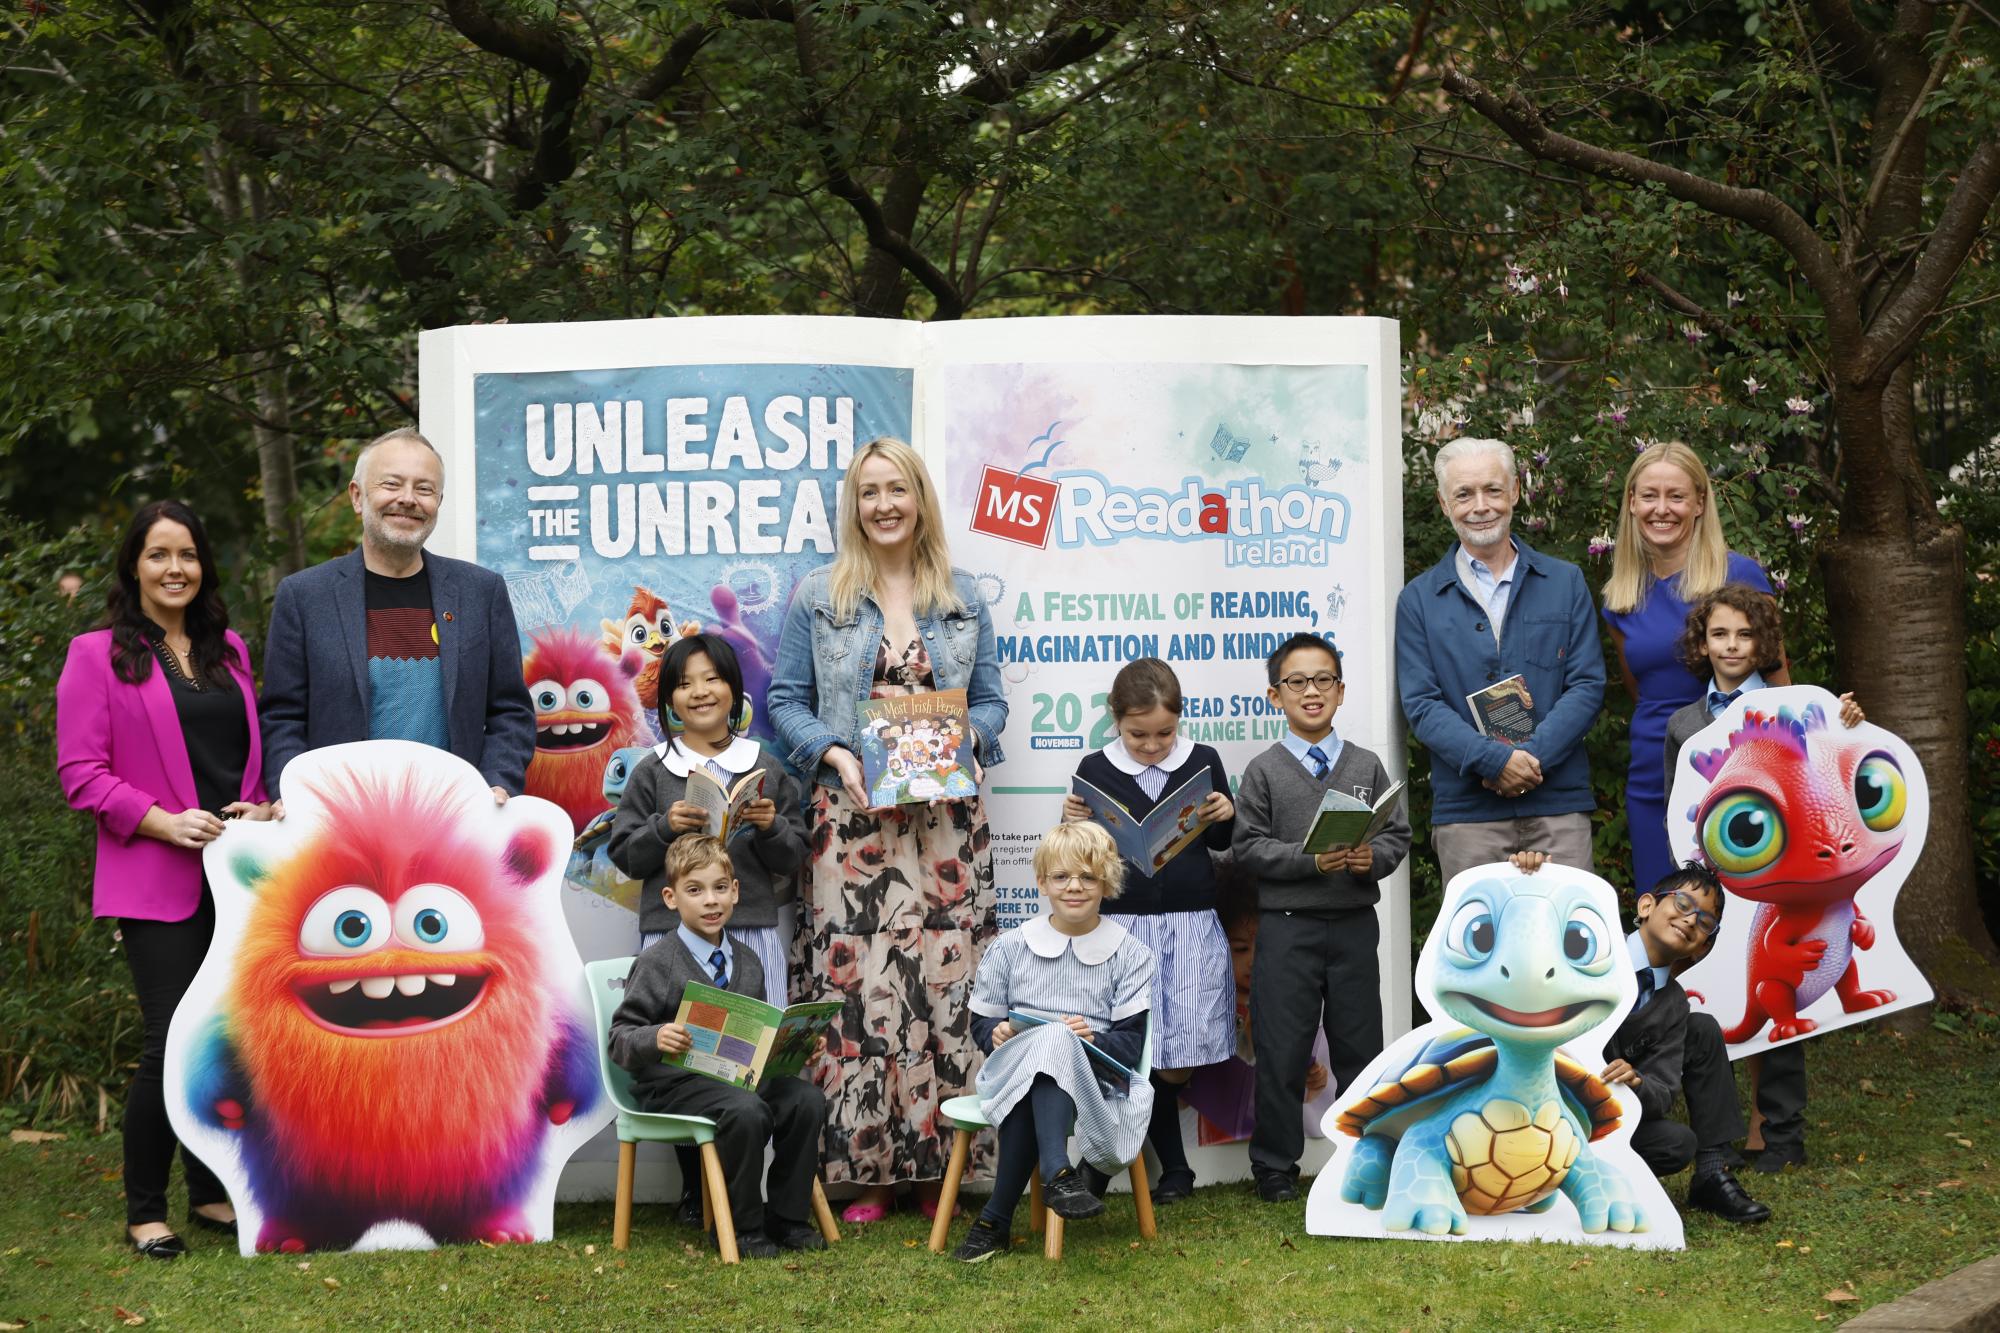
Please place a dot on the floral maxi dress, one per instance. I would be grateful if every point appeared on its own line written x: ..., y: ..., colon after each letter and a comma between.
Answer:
x: 898, y: 908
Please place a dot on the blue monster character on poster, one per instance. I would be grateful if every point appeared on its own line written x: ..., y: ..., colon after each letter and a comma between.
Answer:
x: 1481, y: 1123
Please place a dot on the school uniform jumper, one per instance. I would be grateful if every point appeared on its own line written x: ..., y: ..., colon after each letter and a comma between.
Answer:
x: 1676, y: 1052
x: 1316, y: 937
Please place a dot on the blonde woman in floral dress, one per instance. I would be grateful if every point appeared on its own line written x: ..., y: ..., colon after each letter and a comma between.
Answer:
x: 899, y: 901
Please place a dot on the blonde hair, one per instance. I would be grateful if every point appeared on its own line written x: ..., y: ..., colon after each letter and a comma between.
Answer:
x: 695, y: 851
x: 1708, y: 554
x: 1085, y: 849
x: 854, y: 571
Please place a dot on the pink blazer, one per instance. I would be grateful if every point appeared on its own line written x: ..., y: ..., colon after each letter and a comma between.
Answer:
x: 119, y: 753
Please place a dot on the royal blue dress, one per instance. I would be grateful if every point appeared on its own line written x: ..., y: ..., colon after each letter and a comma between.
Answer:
x: 1650, y: 632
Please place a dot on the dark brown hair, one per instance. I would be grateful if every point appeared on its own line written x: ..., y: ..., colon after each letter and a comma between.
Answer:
x: 1760, y: 608
x: 133, y: 634
x: 1145, y: 683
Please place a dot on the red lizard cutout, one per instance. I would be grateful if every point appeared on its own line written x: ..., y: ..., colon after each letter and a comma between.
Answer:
x: 1797, y: 819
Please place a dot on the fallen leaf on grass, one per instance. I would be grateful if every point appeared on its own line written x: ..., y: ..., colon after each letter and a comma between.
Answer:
x: 1285, y: 1243
x: 598, y: 1269
x: 1839, y: 1294
x: 789, y: 1268
x: 35, y: 1136
x: 126, y: 1317
x: 44, y: 1263
x: 909, y: 1245
x: 1581, y: 1263
x: 8, y: 1326
x: 330, y: 1283
x: 1949, y: 1184
x: 1805, y: 1249
x: 304, y: 1265
x: 590, y: 1249
x: 1784, y: 1245
x: 1868, y: 1087
x: 76, y: 1217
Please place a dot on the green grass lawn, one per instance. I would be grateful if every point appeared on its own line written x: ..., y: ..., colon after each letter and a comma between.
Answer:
x: 1901, y: 1190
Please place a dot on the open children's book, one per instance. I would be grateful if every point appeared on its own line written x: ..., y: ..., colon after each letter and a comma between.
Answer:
x: 1504, y: 710
x: 740, y: 1040
x: 725, y: 808
x: 1344, y: 821
x: 910, y: 748
x: 1111, y: 1070
x: 1151, y: 842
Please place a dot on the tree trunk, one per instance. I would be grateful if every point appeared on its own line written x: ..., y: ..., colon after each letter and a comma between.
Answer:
x: 277, y: 474
x: 1895, y: 601
x: 884, y: 289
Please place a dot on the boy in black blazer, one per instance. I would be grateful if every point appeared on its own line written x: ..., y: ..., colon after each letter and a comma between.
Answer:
x: 1663, y: 1050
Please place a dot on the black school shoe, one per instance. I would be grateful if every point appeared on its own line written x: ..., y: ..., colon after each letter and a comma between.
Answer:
x: 689, y: 1212
x: 982, y: 1241
x: 1722, y: 1195
x: 1069, y: 1198
x: 1777, y: 1156
x: 753, y: 1245
x: 1174, y: 1186
x: 1277, y: 1187
x: 794, y: 1235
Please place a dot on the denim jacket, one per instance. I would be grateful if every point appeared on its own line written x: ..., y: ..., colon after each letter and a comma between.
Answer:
x: 826, y: 667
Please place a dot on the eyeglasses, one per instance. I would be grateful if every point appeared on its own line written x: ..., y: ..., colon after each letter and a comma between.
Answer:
x: 1684, y: 905
x: 1323, y: 682
x: 1066, y: 880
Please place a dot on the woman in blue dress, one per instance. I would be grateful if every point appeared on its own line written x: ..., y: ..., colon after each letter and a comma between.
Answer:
x: 1670, y: 552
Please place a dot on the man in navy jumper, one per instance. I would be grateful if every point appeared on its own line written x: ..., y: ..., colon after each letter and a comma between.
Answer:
x: 1495, y: 607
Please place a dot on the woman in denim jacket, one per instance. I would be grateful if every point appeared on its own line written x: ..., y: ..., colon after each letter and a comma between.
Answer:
x: 899, y: 901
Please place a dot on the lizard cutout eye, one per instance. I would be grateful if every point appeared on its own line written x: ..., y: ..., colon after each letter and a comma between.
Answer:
x: 1743, y: 833
x: 1880, y: 793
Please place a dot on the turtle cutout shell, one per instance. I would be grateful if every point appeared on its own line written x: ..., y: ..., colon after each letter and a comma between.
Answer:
x: 1465, y: 1056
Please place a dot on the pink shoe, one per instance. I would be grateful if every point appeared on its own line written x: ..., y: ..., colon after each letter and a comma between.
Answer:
x: 860, y: 1214
x: 928, y: 1208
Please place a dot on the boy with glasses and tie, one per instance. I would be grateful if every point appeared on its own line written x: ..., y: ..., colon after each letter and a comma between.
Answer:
x: 1663, y: 1050
x: 1733, y: 636
x: 787, y: 1113
x: 1317, y: 934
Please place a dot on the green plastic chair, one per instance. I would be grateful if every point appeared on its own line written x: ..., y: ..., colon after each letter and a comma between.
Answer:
x: 968, y: 1116
x: 606, y: 979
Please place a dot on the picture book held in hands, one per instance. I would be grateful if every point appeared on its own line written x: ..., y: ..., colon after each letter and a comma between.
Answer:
x: 1109, y: 1068
x: 914, y: 748
x: 724, y: 807
x: 1345, y: 821
x: 740, y: 1040
x: 1504, y: 710
x: 1151, y: 842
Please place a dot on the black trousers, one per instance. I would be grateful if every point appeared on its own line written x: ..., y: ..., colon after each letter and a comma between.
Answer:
x: 1708, y: 1084
x: 163, y: 956
x: 1311, y: 971
x: 787, y: 1113
x: 1781, y: 1095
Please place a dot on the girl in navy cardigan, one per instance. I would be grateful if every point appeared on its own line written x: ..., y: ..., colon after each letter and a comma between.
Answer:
x: 1171, y: 911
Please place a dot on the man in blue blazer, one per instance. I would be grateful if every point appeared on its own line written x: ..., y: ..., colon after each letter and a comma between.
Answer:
x: 391, y: 643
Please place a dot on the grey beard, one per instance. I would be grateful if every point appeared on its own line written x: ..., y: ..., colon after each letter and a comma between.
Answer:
x: 378, y: 534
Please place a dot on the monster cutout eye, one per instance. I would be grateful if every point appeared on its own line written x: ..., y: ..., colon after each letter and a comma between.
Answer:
x: 349, y: 920
x: 1880, y: 792
x: 587, y: 696
x: 547, y: 694
x: 616, y: 776
x: 1586, y: 939
x: 638, y: 632
x: 431, y: 916
x: 1743, y: 833
x: 664, y: 628
x: 1471, y: 933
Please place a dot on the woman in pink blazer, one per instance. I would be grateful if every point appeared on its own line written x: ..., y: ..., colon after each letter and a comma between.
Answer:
x: 156, y: 735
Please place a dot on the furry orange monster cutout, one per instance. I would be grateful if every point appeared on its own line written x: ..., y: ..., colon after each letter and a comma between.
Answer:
x: 648, y: 628
x: 585, y: 710
x: 390, y: 1045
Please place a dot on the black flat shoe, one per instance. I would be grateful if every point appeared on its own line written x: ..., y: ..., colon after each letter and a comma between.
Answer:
x: 794, y: 1235
x: 168, y: 1246
x: 207, y: 1223
x: 689, y: 1212
x: 1174, y: 1186
x: 1723, y: 1196
x: 1777, y: 1156
x: 1277, y: 1187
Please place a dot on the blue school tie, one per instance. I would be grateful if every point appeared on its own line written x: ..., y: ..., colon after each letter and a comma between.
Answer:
x: 1647, y: 981
x: 1320, y: 766
x: 1717, y: 701
x: 717, y: 961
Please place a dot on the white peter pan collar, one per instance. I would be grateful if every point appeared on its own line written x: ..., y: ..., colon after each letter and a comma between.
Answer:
x: 739, y: 758
x: 1122, y: 760
x: 1048, y: 942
